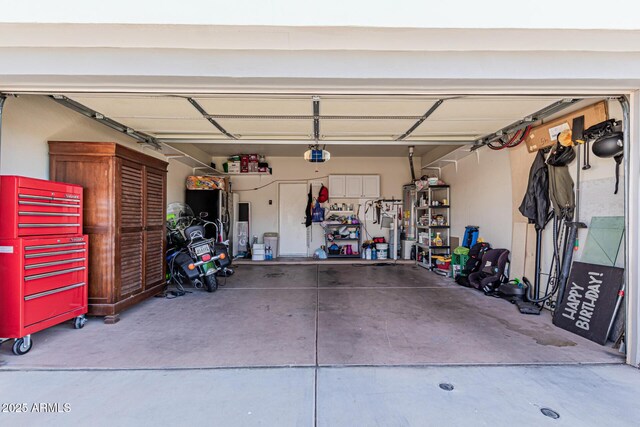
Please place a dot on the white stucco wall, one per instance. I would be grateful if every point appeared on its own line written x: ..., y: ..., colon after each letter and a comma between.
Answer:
x: 177, y: 174
x: 29, y: 121
x: 481, y: 195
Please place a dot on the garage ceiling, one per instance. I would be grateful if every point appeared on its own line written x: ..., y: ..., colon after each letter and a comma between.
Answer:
x: 283, y: 125
x: 296, y: 150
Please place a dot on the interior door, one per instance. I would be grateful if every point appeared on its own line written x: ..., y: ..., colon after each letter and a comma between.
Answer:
x: 292, y: 202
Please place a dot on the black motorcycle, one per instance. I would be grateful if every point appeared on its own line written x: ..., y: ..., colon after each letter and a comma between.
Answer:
x: 192, y: 258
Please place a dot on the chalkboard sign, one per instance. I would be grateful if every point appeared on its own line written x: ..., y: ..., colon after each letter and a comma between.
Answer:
x: 589, y: 300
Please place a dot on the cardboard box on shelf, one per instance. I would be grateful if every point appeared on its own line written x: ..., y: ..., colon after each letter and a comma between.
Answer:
x: 233, y: 167
x: 545, y: 135
x: 244, y: 163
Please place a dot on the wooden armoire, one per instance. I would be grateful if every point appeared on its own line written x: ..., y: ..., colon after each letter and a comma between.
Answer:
x: 124, y: 216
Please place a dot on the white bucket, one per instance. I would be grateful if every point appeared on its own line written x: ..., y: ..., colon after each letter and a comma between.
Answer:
x: 382, y: 250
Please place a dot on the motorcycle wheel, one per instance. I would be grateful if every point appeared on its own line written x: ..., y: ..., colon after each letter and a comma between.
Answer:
x: 211, y: 282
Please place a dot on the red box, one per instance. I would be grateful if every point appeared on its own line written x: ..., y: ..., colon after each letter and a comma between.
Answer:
x: 36, y: 207
x: 443, y: 265
x: 44, y: 257
x: 44, y: 282
x: 244, y: 163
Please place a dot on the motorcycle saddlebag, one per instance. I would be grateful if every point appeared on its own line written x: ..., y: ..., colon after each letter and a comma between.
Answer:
x: 222, y: 248
x: 182, y: 261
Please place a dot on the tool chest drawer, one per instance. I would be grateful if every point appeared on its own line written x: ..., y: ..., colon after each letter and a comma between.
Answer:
x: 45, y: 305
x: 53, y: 263
x: 36, y: 207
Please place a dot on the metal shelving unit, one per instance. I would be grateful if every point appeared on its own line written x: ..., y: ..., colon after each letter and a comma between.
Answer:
x: 343, y: 239
x: 434, y: 193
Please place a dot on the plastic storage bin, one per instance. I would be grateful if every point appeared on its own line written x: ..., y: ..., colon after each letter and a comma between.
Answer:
x: 271, y: 241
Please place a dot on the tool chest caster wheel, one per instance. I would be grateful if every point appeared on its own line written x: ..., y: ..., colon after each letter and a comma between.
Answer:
x: 22, y: 345
x: 79, y: 322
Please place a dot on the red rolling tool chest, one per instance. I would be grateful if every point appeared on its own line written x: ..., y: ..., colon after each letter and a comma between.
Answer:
x: 43, y: 258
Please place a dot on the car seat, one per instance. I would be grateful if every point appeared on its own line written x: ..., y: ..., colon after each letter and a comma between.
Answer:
x: 473, y: 263
x: 492, y: 271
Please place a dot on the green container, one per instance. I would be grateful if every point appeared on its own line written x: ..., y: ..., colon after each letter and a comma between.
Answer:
x: 457, y: 259
x: 461, y: 250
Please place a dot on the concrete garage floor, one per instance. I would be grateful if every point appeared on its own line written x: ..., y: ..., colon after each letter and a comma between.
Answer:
x: 297, y: 315
x: 298, y: 345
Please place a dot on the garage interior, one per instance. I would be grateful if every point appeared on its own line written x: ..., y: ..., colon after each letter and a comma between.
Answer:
x: 298, y: 340
x: 296, y: 310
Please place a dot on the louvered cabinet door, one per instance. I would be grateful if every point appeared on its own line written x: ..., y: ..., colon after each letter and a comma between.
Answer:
x: 154, y: 227
x: 131, y: 236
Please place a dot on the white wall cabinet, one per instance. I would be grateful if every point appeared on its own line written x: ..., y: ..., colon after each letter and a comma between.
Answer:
x: 354, y: 186
x: 337, y: 186
x: 370, y: 186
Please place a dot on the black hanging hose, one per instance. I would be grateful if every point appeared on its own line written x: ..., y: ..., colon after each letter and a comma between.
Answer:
x: 555, y: 265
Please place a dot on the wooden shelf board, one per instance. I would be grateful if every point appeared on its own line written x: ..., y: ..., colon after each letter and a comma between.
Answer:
x: 246, y: 173
x: 422, y: 245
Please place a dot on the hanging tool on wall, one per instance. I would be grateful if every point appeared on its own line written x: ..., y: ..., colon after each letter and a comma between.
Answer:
x: 378, y: 211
